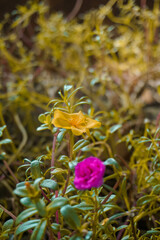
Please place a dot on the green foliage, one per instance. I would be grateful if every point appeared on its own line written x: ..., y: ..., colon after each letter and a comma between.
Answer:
x: 105, y: 64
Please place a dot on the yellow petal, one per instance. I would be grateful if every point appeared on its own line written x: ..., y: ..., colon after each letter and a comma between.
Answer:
x: 77, y: 131
x: 61, y: 119
x: 91, y: 123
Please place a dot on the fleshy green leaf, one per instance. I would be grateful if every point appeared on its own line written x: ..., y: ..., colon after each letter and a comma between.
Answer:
x: 39, y: 231
x: 27, y: 225
x: 56, y: 203
x: 41, y: 207
x: 146, y: 199
x: 80, y: 144
x: 5, y: 141
x: 35, y: 169
x: 70, y: 216
x: 49, y: 183
x: 112, y: 161
x: 115, y: 128
x: 7, y: 225
x: 25, y: 214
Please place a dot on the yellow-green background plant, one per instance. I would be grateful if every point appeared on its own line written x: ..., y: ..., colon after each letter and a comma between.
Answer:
x: 113, y: 60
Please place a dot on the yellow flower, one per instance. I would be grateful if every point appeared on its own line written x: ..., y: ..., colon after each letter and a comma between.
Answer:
x: 77, y: 122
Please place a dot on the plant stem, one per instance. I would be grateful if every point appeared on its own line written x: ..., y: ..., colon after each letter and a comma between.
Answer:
x: 71, y: 143
x: 53, y: 151
x: 66, y: 185
x: 52, y: 165
x: 57, y: 217
x: 75, y: 10
x: 10, y: 171
x: 108, y: 196
x: 50, y: 233
x: 8, y: 212
x: 95, y: 217
x: 133, y: 228
x: 44, y: 195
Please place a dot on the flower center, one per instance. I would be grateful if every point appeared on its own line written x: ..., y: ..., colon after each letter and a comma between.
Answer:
x: 77, y: 121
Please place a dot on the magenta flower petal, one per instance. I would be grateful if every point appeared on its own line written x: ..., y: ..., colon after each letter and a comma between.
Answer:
x: 89, y: 173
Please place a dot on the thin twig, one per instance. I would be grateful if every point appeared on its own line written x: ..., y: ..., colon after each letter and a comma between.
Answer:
x: 133, y: 228
x: 10, y: 171
x: 124, y: 162
x: 8, y: 212
x: 114, y: 187
x: 24, y: 138
x: 143, y: 3
x: 66, y: 185
x: 75, y: 10
x: 121, y: 232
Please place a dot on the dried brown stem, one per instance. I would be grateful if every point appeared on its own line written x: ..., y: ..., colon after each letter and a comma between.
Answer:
x: 75, y: 10
x: 114, y: 187
x: 10, y: 171
x: 8, y: 212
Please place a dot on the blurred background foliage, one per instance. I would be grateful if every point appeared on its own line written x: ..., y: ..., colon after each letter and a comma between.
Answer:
x: 113, y: 53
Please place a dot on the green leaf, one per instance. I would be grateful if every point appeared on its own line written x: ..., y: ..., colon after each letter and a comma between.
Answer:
x: 35, y: 169
x: 27, y: 225
x: 156, y: 189
x: 26, y: 201
x: 146, y: 199
x: 79, y: 145
x: 49, y: 183
x: 117, y: 215
x: 42, y: 118
x: 25, y: 214
x: 88, y: 235
x: 56, y: 203
x: 151, y: 232
x: 74, y: 92
x: 59, y: 171
x: 70, y: 216
x: 76, y: 237
x: 41, y: 207
x: 39, y: 231
x: 83, y: 206
x: 127, y: 237
x: 121, y: 227
x: 21, y: 191
x: 112, y: 161
x: 8, y: 225
x: 72, y: 164
x: 42, y: 127
x: 1, y: 130
x: 55, y: 227
x: 1, y: 212
x: 111, y: 207
x: 115, y: 128
x: 5, y: 141
x: 67, y: 88
x: 61, y: 135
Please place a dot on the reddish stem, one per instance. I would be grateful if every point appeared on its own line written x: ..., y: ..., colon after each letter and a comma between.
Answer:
x: 52, y: 165
x: 53, y: 151
x: 44, y: 195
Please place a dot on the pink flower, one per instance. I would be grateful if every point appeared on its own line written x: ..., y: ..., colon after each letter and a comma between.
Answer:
x: 89, y: 173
